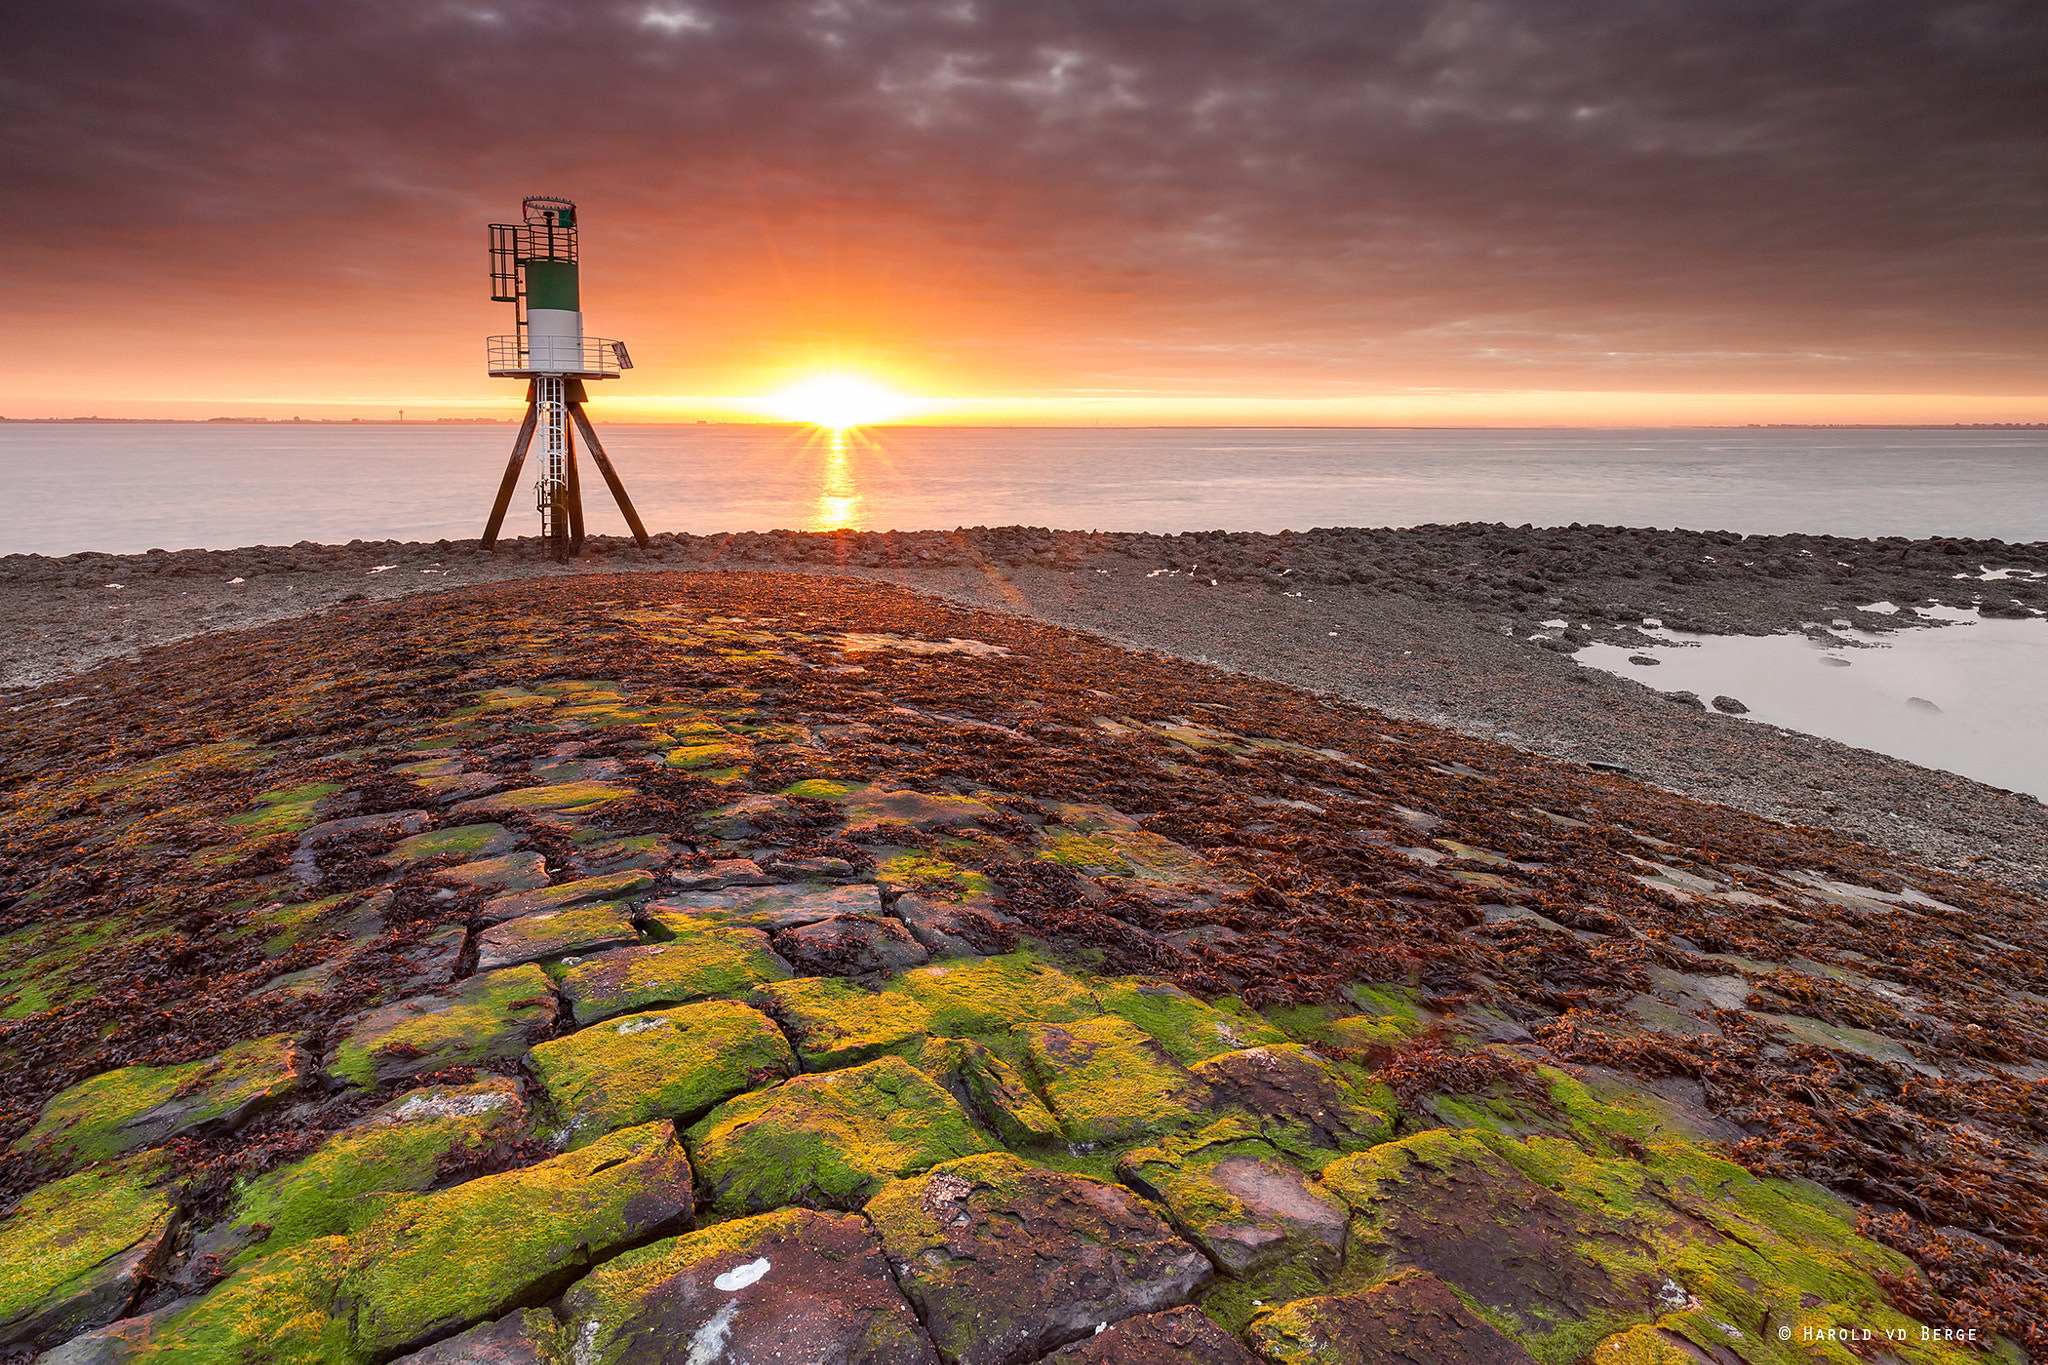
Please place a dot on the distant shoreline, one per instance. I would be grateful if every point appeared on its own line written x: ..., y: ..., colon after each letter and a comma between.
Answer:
x: 1045, y: 426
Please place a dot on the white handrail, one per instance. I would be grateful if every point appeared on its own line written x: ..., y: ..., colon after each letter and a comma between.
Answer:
x: 525, y: 355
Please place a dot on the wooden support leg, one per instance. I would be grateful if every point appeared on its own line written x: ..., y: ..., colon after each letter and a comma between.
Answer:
x: 525, y: 439
x: 611, y: 476
x: 575, y: 496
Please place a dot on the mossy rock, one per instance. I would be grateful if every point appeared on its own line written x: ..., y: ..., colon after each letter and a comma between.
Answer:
x: 994, y: 996
x: 868, y: 809
x: 442, y: 1262
x: 117, y: 1112
x: 1006, y: 1261
x: 74, y: 1252
x: 1311, y: 1109
x: 990, y: 1089
x: 1232, y: 1194
x: 693, y: 965
x: 609, y: 887
x: 836, y: 1024
x: 1564, y: 1240
x: 285, y: 810
x: 794, y: 1285
x: 530, y: 1336
x: 1179, y: 1336
x: 1189, y: 1030
x: 556, y: 933
x: 1109, y: 1082
x: 362, y: 1170
x: 831, y: 1140
x: 768, y: 908
x: 285, y: 1309
x: 561, y: 798
x: 1409, y: 1319
x: 1122, y: 853
x: 489, y: 1017
x: 673, y: 1064
x: 467, y: 841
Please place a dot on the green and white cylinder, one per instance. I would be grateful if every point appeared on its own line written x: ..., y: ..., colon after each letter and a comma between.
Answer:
x: 554, y: 317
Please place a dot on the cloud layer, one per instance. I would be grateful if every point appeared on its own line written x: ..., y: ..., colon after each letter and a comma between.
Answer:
x: 1150, y: 195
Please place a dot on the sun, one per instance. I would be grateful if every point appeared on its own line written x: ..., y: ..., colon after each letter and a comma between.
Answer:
x: 838, y: 401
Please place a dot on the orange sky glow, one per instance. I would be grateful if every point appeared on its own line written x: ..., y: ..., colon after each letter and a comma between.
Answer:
x: 1454, y: 214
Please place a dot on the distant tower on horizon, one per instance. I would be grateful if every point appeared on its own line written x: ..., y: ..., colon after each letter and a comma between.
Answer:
x: 533, y: 268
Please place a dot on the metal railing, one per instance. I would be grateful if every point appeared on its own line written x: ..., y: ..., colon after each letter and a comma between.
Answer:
x: 591, y: 358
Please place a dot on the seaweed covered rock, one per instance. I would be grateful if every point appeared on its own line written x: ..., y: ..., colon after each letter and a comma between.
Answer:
x: 790, y: 1286
x: 948, y: 929
x: 76, y: 1252
x: 1179, y: 1336
x: 673, y: 1064
x: 355, y: 1175
x: 850, y: 945
x: 1311, y: 1109
x: 139, y: 1106
x: 1232, y: 1194
x: 1110, y: 1082
x: 695, y: 963
x: 528, y: 1337
x: 491, y: 1016
x: 1007, y: 1261
x: 829, y: 1140
x: 1409, y: 1319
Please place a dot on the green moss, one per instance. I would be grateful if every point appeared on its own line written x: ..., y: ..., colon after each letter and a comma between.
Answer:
x: 932, y: 877
x: 436, y: 1263
x: 358, y: 1173
x: 837, y: 1024
x: 1231, y: 1193
x: 483, y: 1018
x: 1309, y: 1108
x: 818, y: 789
x: 972, y: 999
x: 1121, y: 853
x: 118, y: 1111
x: 50, y: 965
x: 829, y: 1140
x: 285, y: 810
x: 709, y: 755
x: 61, y: 1245
x: 672, y: 1064
x: 1189, y: 1030
x: 469, y: 841
x: 562, y: 798
x: 1233, y: 1302
x: 693, y: 964
x: 991, y: 1089
x: 1109, y: 1082
x: 281, y: 1310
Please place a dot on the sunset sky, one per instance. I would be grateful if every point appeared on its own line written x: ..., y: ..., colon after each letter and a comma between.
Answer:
x: 1543, y: 211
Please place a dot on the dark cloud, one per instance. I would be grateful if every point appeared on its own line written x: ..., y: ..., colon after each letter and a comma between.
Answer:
x: 1312, y: 188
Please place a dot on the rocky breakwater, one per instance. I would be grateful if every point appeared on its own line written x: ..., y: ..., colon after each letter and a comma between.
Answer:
x: 657, y: 967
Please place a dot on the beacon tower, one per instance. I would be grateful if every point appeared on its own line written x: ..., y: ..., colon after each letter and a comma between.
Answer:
x: 534, y: 268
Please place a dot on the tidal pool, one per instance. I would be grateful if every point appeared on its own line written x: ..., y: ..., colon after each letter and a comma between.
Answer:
x: 1966, y: 697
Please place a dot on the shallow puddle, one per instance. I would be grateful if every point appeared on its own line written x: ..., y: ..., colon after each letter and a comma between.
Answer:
x: 1966, y: 697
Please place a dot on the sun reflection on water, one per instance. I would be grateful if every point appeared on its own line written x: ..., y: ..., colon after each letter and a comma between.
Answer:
x: 837, y: 504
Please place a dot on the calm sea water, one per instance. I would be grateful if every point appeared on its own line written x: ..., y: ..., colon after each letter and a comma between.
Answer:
x: 126, y: 487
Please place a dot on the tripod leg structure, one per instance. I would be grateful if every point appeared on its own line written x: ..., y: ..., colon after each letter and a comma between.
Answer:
x: 525, y: 439
x: 611, y: 476
x: 575, y: 494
